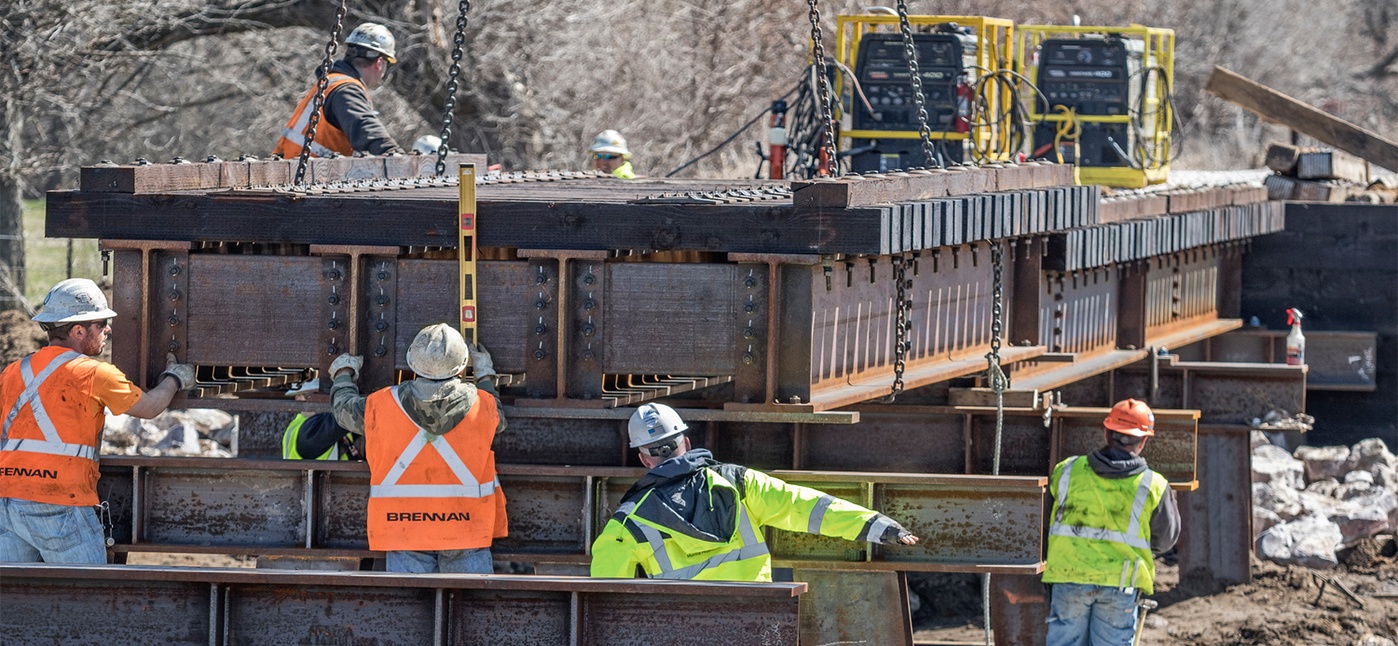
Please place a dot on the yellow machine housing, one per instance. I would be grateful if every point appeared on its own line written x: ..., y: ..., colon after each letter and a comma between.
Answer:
x: 1104, y: 100
x: 958, y: 56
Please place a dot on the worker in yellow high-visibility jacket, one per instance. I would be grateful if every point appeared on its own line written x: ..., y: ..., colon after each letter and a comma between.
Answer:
x: 610, y: 155
x: 693, y: 518
x: 1111, y: 515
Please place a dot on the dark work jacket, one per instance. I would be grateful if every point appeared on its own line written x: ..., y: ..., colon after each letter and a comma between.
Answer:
x: 349, y: 109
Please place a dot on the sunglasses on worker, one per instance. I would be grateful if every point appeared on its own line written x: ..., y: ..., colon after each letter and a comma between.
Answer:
x: 605, y: 156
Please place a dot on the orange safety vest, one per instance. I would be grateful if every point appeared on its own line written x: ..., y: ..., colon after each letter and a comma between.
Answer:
x: 432, y: 492
x: 328, y: 138
x: 51, y: 426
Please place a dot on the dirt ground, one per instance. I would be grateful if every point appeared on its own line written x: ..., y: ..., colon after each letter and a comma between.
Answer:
x: 1280, y: 607
x: 19, y: 336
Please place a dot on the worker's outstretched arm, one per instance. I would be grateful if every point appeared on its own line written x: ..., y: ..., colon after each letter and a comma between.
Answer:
x: 614, y: 553
x: 803, y: 509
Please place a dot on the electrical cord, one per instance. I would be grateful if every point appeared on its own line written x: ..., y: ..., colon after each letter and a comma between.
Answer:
x: 730, y: 138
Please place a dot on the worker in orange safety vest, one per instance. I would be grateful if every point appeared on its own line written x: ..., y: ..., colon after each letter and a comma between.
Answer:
x: 435, y: 503
x: 52, y: 408
x: 348, y: 122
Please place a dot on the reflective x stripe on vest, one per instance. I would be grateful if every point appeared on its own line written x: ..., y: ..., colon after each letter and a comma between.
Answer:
x: 1132, y: 535
x: 469, y: 487
x: 751, y: 548
x: 52, y: 443
x: 296, y: 132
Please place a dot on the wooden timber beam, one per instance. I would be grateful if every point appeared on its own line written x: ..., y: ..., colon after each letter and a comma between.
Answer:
x: 1281, y: 109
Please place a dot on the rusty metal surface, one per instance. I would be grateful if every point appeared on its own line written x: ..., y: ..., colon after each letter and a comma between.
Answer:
x: 1344, y: 361
x: 1183, y: 287
x: 1224, y: 393
x: 674, y: 319
x: 1216, y: 543
x: 855, y: 607
x: 235, y: 319
x: 1019, y: 608
x: 1078, y: 311
x: 971, y: 523
x: 130, y: 604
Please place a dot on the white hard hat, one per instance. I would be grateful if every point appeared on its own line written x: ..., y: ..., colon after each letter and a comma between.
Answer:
x: 438, y: 352
x: 375, y: 38
x: 427, y: 144
x: 74, y: 301
x: 652, y: 423
x: 609, y: 141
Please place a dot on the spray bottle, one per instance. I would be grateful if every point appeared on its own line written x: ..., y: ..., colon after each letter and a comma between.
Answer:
x: 1295, y: 340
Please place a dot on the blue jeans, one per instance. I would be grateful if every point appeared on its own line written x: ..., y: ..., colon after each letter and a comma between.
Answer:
x: 34, y: 532
x: 474, y: 561
x: 1083, y: 615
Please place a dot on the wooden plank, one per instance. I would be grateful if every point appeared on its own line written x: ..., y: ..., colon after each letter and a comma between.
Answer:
x: 1332, y: 164
x: 363, y: 219
x: 1282, y: 109
x: 1282, y: 157
x: 1279, y: 187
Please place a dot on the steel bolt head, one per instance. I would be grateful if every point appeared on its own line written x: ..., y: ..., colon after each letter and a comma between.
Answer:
x: 382, y: 300
x: 749, y: 333
x: 332, y: 349
x: 589, y: 304
x: 540, y: 328
x: 748, y: 359
x: 381, y: 326
x: 750, y: 282
x: 334, y: 324
x: 383, y: 275
x: 589, y: 279
x: 540, y: 304
x: 587, y: 329
x: 380, y: 351
x: 174, y: 320
x: 174, y: 270
x: 540, y: 354
x: 540, y: 279
x: 173, y: 346
x: 334, y: 299
x: 587, y: 355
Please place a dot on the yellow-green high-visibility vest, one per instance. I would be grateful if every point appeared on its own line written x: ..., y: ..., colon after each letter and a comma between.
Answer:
x: 1100, y: 534
x: 293, y: 430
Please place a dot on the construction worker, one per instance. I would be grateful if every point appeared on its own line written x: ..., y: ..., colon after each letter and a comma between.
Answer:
x: 610, y: 155
x: 435, y: 504
x: 51, y: 404
x: 1111, y: 515
x: 319, y: 437
x: 693, y: 518
x: 348, y: 122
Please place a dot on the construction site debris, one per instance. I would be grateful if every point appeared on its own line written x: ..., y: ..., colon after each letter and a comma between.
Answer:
x: 194, y: 432
x: 1348, y: 495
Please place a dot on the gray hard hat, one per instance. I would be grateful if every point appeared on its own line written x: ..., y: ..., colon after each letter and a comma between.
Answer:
x: 76, y: 300
x: 375, y: 38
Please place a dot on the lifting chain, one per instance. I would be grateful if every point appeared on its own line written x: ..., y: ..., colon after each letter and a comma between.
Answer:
x: 322, y: 82
x: 998, y: 383
x: 453, y: 76
x: 902, y: 324
x: 827, y: 113
x: 910, y: 52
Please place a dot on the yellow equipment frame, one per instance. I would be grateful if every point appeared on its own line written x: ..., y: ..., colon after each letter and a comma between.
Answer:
x: 994, y: 53
x: 1159, y: 46
x: 466, y: 250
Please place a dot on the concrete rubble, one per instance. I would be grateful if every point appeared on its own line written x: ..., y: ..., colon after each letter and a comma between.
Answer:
x: 194, y: 432
x: 1308, y: 504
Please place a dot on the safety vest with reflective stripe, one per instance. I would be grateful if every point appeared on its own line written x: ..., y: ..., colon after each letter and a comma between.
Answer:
x: 431, y: 492
x: 630, y: 540
x: 624, y: 171
x: 293, y: 431
x: 1100, y: 529
x: 328, y: 138
x: 51, y: 429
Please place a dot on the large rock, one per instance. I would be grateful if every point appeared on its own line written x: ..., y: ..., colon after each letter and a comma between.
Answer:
x: 1359, y: 476
x: 1272, y: 464
x: 1324, y: 461
x: 1309, y: 541
x: 1385, y: 477
x: 1283, y: 501
x: 207, y: 421
x: 1263, y: 519
x: 1326, y: 487
x: 1369, y: 453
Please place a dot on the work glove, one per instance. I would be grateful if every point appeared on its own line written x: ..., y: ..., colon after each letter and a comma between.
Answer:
x: 896, y: 533
x: 352, y: 361
x: 480, y: 360
x: 182, y: 372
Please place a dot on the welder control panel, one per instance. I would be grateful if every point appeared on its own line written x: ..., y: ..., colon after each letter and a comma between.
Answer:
x: 1089, y: 75
x: 882, y: 69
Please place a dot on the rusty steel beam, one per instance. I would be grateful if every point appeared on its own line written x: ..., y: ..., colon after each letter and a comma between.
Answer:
x: 1337, y: 361
x: 969, y: 523
x: 47, y: 604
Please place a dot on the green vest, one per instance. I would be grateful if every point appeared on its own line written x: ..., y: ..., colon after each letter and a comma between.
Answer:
x: 1100, y: 534
x: 289, y: 443
x: 630, y: 541
x: 624, y: 171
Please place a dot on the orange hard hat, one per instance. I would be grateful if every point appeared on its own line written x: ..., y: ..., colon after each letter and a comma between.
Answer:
x: 1131, y: 417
